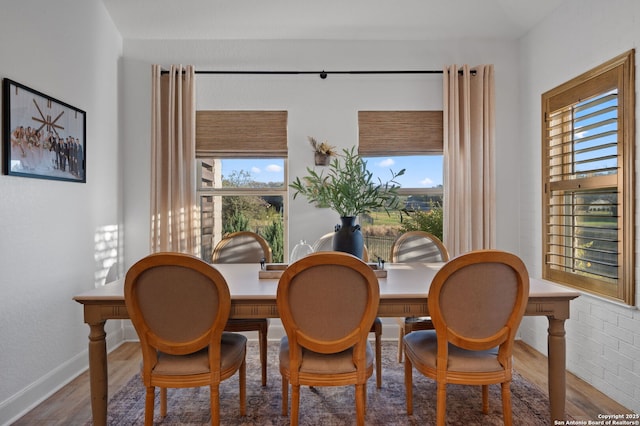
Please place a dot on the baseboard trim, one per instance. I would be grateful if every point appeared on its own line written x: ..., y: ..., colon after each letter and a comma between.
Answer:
x: 29, y: 397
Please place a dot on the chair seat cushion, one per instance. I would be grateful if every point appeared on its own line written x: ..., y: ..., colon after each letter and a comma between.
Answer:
x: 314, y: 362
x: 232, y: 350
x: 422, y: 348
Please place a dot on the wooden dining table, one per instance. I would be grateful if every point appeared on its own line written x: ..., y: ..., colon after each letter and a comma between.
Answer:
x: 403, y: 293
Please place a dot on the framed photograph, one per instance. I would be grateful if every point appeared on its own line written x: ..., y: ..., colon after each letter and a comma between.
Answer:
x: 42, y: 136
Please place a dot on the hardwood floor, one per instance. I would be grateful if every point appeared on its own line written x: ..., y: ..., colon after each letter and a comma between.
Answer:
x: 584, y: 402
x: 71, y: 405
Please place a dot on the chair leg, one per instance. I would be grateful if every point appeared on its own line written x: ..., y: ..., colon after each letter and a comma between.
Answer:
x: 360, y: 404
x: 408, y: 384
x: 285, y: 396
x: 295, y: 404
x: 214, y: 391
x: 365, y: 396
x: 163, y: 402
x: 405, y: 329
x: 242, y: 379
x: 485, y: 399
x: 149, y: 402
x: 378, y: 334
x: 400, y: 335
x: 506, y: 403
x: 441, y: 403
x: 263, y: 353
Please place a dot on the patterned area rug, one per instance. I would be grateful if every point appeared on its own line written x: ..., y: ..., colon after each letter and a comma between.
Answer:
x: 330, y: 406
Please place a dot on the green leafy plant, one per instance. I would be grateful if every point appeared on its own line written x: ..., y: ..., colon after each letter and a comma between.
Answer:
x: 274, y: 236
x: 235, y: 223
x: 430, y: 221
x: 348, y: 187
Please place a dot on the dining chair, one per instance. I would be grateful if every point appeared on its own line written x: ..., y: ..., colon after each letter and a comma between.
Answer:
x: 327, y: 302
x: 416, y: 246
x: 325, y: 243
x: 113, y: 273
x: 246, y: 247
x: 179, y: 305
x: 476, y: 302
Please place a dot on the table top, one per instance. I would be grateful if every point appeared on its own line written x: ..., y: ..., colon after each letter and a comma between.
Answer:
x: 404, y: 280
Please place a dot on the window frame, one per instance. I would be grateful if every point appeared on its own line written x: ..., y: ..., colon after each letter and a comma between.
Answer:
x: 282, y: 192
x: 618, y: 72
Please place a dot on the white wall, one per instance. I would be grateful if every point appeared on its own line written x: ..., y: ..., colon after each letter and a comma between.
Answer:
x: 52, y: 232
x: 326, y: 109
x: 603, y: 338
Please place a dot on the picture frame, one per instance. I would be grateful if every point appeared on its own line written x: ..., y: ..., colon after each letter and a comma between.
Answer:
x: 43, y: 137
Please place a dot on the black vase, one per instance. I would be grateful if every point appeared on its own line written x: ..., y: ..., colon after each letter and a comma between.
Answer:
x: 348, y: 237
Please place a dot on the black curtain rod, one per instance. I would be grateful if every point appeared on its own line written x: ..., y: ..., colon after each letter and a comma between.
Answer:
x: 323, y: 74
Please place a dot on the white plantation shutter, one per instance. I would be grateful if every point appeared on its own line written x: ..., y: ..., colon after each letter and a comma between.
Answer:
x: 587, y: 163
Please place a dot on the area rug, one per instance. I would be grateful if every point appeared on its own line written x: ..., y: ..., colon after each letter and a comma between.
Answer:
x: 329, y: 406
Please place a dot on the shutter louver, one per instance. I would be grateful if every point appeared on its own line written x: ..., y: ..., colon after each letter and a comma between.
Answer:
x: 582, y: 207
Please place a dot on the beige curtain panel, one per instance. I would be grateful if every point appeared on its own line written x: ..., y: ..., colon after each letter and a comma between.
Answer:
x: 174, y: 216
x: 469, y: 170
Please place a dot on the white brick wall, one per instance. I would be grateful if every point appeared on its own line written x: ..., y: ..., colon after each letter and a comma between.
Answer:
x: 603, y: 346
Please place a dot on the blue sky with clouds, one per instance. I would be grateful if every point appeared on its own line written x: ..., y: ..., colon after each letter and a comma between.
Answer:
x: 421, y: 171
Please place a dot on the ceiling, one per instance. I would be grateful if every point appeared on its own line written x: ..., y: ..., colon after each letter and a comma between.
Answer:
x: 328, y: 19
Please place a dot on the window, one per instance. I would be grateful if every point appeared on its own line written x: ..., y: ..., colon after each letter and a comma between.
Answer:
x: 242, y: 195
x: 421, y: 193
x: 396, y: 140
x: 588, y: 217
x: 241, y: 176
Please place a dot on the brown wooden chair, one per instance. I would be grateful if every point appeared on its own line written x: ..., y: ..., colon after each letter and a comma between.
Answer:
x: 325, y: 243
x: 476, y: 302
x: 179, y: 306
x: 416, y: 246
x: 327, y: 302
x: 246, y: 247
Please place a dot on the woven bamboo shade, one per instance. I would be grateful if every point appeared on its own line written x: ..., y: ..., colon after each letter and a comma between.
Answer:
x: 384, y: 133
x: 222, y: 134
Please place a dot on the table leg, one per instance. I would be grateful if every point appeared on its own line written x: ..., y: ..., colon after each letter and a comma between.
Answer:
x: 557, y: 352
x: 98, y: 373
